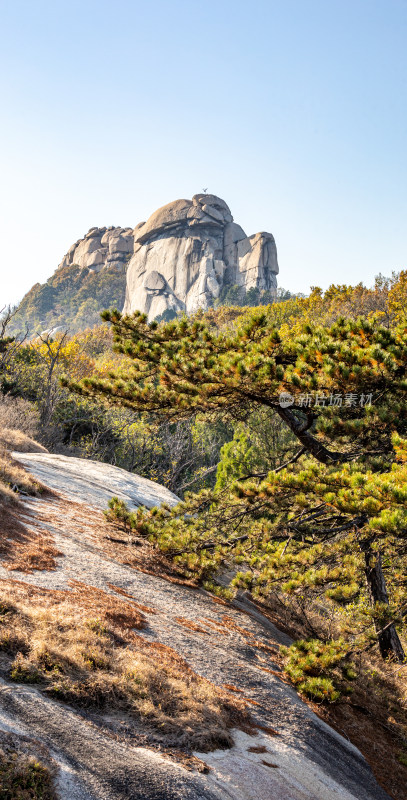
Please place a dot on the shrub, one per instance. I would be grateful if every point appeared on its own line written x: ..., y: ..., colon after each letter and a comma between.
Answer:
x: 318, y: 669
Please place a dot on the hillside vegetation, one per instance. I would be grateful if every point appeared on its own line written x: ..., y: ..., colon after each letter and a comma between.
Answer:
x: 71, y: 299
x: 301, y: 503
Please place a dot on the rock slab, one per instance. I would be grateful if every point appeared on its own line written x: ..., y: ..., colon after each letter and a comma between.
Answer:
x: 94, y: 482
x: 304, y: 760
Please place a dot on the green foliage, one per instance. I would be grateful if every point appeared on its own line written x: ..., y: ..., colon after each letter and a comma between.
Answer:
x: 237, y: 459
x: 24, y: 778
x: 259, y: 444
x: 237, y: 296
x: 117, y: 511
x: 183, y: 367
x: 72, y: 298
x: 167, y: 315
x: 331, y: 526
x: 318, y: 669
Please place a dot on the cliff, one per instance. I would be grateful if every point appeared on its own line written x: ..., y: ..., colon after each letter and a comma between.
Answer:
x: 188, y: 255
x: 189, y: 251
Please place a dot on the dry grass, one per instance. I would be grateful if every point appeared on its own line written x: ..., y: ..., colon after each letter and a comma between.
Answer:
x: 22, y: 547
x: 12, y: 439
x: 26, y: 769
x: 140, y: 606
x: 259, y: 749
x: 20, y: 415
x: 190, y: 625
x: 13, y: 477
x: 81, y: 646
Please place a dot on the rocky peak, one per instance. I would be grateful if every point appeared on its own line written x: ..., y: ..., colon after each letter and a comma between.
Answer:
x: 100, y: 248
x: 188, y: 251
x: 182, y: 258
x: 181, y: 215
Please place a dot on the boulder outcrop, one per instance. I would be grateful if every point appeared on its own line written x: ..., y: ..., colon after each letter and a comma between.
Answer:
x: 186, y: 256
x: 101, y: 248
x: 189, y: 251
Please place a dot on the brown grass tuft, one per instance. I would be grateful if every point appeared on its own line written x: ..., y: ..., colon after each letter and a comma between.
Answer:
x: 117, y: 612
x: 23, y: 777
x: 26, y: 768
x: 267, y: 729
x: 140, y: 606
x: 252, y: 702
x: 12, y: 439
x: 14, y: 479
x: 22, y: 547
x: 191, y: 625
x: 81, y: 646
x: 219, y: 627
x: 218, y: 600
x: 259, y: 749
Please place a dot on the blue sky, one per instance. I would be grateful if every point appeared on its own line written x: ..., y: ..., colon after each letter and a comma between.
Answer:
x: 293, y: 111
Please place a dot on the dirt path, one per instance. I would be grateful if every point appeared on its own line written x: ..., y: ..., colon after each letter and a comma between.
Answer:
x: 306, y: 761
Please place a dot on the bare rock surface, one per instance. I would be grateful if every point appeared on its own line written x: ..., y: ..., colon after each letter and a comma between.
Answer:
x: 184, y: 257
x: 92, y: 765
x: 188, y: 251
x: 234, y: 645
x: 94, y: 482
x: 100, y: 248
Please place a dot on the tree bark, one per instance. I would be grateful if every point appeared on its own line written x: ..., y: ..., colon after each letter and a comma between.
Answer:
x: 309, y: 442
x: 389, y: 642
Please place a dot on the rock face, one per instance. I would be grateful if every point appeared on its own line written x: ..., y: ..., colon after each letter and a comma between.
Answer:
x: 304, y: 759
x: 188, y: 251
x: 94, y: 482
x: 101, y: 248
x: 184, y: 257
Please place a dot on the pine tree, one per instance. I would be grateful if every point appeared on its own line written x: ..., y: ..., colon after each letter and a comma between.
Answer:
x: 334, y: 519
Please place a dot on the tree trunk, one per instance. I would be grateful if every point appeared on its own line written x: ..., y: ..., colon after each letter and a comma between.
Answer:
x: 311, y: 443
x: 389, y: 642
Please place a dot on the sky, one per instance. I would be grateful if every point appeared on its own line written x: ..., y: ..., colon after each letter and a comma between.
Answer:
x: 293, y: 111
